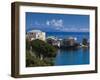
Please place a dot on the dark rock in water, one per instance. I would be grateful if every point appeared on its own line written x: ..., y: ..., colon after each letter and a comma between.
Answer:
x: 70, y: 47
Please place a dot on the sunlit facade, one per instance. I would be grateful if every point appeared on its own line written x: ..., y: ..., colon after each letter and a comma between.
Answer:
x: 36, y: 34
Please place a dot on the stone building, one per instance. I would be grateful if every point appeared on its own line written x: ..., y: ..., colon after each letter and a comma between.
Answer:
x: 36, y: 34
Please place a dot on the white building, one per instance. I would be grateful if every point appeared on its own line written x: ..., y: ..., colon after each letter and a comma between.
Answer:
x: 36, y: 34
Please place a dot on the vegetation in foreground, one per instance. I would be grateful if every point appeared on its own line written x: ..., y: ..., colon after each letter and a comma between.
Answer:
x: 39, y: 53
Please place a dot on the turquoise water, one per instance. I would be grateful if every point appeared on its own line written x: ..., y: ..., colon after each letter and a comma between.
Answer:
x: 72, y: 57
x: 76, y: 57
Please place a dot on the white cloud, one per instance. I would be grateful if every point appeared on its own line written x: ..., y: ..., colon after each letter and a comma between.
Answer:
x: 36, y: 23
x: 58, y: 24
x: 84, y: 29
x: 74, y: 29
x: 55, y: 23
x: 48, y: 23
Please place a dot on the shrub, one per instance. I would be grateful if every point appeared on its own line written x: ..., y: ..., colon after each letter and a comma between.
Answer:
x: 43, y: 48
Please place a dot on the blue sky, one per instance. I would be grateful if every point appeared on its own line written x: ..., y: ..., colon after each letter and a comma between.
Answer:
x: 57, y: 22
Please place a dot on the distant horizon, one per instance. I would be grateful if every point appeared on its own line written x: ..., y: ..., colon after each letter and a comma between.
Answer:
x: 59, y: 31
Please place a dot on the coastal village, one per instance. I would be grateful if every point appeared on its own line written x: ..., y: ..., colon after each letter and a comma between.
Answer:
x: 41, y: 50
x: 67, y: 43
x: 56, y: 39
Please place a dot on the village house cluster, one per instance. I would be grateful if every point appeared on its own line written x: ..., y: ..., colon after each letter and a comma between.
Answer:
x: 62, y: 43
x: 52, y: 40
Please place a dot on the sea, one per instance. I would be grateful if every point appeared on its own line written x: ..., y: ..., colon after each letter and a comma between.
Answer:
x: 80, y: 56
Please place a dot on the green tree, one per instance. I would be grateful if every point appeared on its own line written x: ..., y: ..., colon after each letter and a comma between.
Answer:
x: 28, y: 44
x: 43, y: 49
x: 84, y: 41
x: 32, y: 61
x: 29, y: 59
